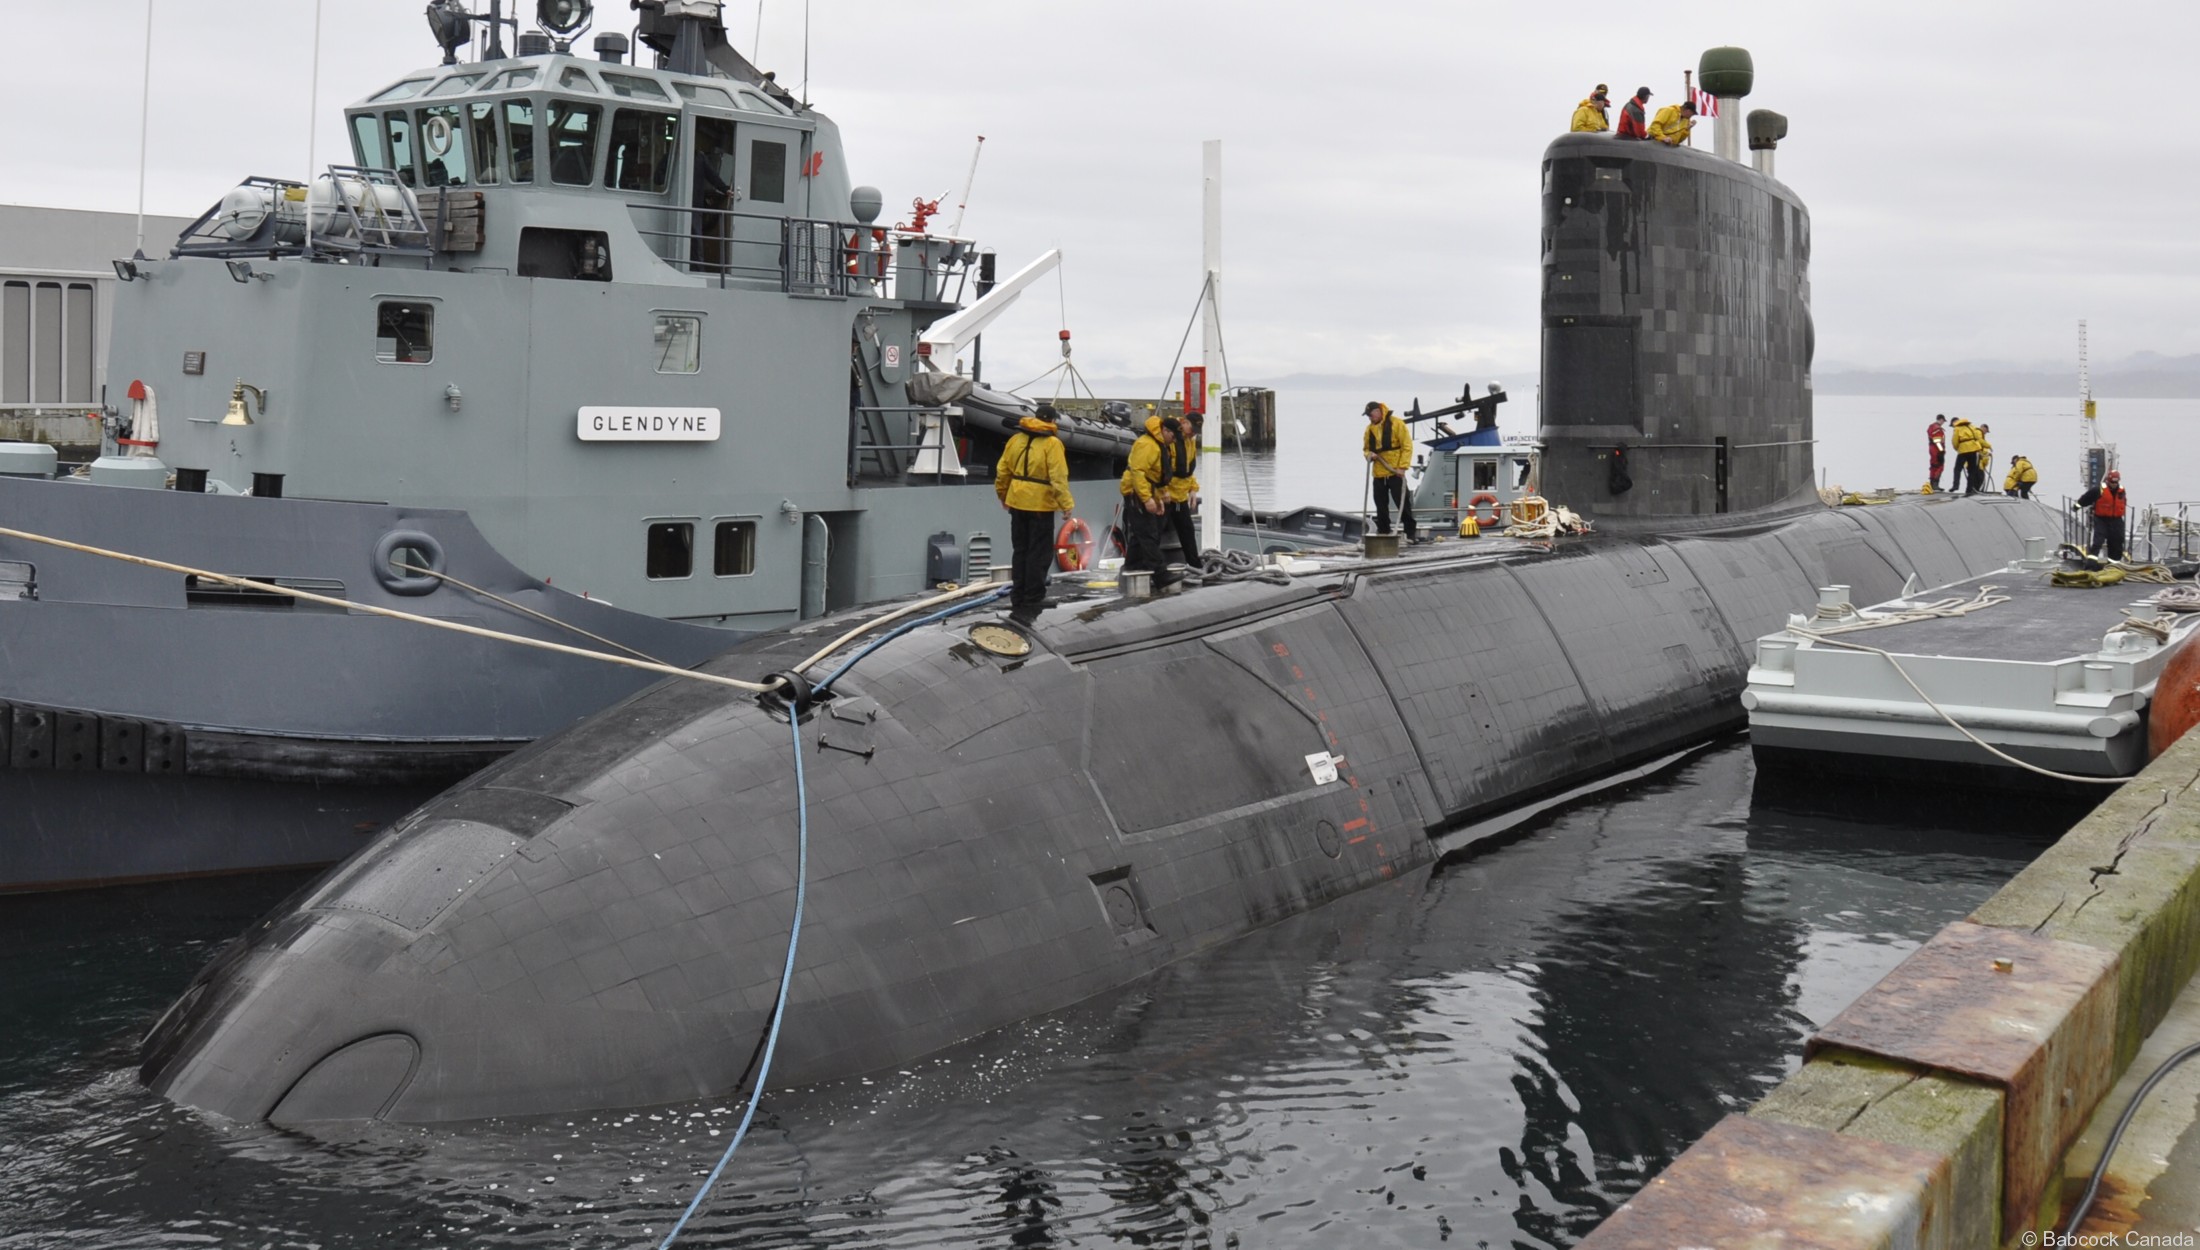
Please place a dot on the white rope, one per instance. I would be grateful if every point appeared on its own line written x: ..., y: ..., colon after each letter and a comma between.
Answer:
x: 2177, y: 599
x: 1990, y: 748
x: 907, y: 609
x: 647, y: 666
x: 1938, y: 609
x: 544, y: 617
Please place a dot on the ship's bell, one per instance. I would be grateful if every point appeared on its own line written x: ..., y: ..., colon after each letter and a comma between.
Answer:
x: 238, y: 413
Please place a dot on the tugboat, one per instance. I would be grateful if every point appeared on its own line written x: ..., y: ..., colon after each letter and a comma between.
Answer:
x: 983, y: 828
x: 600, y: 353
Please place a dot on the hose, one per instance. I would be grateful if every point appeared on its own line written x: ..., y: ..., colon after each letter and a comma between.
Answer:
x: 2100, y: 1170
x: 880, y: 641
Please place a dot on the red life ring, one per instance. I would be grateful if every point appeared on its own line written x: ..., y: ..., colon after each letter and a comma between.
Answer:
x: 876, y: 254
x: 1474, y: 509
x: 1073, y: 546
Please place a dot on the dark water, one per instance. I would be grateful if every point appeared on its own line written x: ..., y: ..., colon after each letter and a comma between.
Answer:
x: 1496, y: 1053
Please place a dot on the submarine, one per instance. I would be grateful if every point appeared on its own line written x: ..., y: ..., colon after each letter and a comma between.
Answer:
x: 983, y: 825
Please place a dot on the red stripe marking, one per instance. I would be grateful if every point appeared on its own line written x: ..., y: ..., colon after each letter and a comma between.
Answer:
x: 1356, y: 841
x: 1350, y: 825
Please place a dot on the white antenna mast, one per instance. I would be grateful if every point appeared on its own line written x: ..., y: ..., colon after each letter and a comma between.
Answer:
x: 313, y: 103
x: 145, y: 114
x: 1210, y: 343
x: 756, y: 40
x: 955, y: 231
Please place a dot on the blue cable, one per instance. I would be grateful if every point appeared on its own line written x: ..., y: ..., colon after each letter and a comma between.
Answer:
x: 801, y: 893
x: 786, y: 980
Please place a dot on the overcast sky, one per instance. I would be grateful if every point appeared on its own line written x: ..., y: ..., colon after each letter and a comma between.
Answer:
x: 1980, y: 175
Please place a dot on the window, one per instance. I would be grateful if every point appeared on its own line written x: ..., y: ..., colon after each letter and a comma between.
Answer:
x: 443, y: 147
x: 703, y: 95
x: 45, y: 342
x: 767, y: 171
x: 511, y: 79
x: 573, y: 142
x: 576, y: 79
x: 679, y: 340
x: 481, y: 131
x: 399, y: 129
x: 671, y: 549
x: 366, y: 141
x: 401, y: 91
x: 633, y: 88
x: 640, y: 158
x: 519, y: 128
x: 455, y: 84
x: 404, y: 333
x: 733, y: 549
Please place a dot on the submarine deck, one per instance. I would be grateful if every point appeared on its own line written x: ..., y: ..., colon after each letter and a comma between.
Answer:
x: 2040, y: 622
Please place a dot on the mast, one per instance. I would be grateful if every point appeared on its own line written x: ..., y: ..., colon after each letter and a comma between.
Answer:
x: 2088, y: 437
x: 1210, y: 345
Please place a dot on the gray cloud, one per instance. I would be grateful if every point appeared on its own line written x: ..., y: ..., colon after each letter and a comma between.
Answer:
x: 1980, y: 175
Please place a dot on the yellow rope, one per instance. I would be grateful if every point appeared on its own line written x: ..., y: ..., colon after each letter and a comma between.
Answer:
x: 647, y: 666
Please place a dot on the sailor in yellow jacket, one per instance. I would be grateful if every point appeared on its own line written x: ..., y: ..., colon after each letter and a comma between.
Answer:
x: 1145, y: 499
x: 1673, y: 123
x: 1180, y: 494
x: 1032, y: 481
x: 1590, y: 116
x: 2022, y: 477
x: 1964, y: 437
x: 1387, y: 446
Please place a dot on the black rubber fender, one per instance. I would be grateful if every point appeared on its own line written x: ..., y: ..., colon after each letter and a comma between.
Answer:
x: 401, y: 583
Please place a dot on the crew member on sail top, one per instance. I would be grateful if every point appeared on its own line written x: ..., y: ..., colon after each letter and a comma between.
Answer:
x: 1982, y: 472
x: 2107, y: 504
x: 1590, y: 116
x: 1631, y: 117
x: 1936, y: 446
x: 1673, y: 122
x: 1143, y: 500
x: 1032, y: 481
x: 1387, y: 446
x: 1181, y: 492
x: 1965, y: 437
x: 2021, y: 477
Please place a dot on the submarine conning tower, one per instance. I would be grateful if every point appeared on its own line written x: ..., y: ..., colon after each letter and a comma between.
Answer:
x: 1677, y: 335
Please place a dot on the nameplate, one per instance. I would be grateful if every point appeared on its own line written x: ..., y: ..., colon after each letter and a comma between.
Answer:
x: 649, y: 425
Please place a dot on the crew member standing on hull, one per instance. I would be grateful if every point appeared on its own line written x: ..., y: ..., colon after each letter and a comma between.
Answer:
x: 1590, y: 116
x: 1965, y: 437
x: 1032, y: 481
x: 2107, y: 504
x: 1143, y: 501
x: 1936, y: 446
x: 1633, y: 124
x: 1983, y: 471
x: 1180, y: 494
x: 1673, y: 123
x: 2021, y: 477
x: 1388, y: 448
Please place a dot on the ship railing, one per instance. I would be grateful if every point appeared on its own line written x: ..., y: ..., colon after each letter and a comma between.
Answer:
x: 370, y: 211
x: 887, y: 442
x: 2167, y: 531
x: 800, y: 255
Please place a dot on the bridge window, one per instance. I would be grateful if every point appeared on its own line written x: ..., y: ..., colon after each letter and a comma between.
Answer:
x: 733, y: 549
x: 519, y: 127
x: 455, y: 84
x: 697, y: 94
x: 400, y: 91
x: 511, y: 79
x: 640, y: 157
x: 576, y: 79
x: 573, y: 142
x: 767, y: 171
x: 671, y: 549
x: 399, y: 129
x: 481, y: 127
x: 404, y: 333
x: 366, y: 141
x: 679, y: 340
x: 633, y: 88
x: 443, y: 147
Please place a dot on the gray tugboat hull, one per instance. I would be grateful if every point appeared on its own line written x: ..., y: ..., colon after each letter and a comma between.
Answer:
x: 600, y: 919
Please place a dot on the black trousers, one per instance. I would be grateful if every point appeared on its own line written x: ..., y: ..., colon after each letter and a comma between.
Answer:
x: 1968, y: 474
x: 1141, y: 537
x: 2024, y: 490
x: 1178, y: 518
x: 2108, y: 532
x: 1032, y: 536
x: 1388, y: 489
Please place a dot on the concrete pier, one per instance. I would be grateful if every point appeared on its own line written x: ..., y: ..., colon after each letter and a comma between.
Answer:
x: 1964, y: 1100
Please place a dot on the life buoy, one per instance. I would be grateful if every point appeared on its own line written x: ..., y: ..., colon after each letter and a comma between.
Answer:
x: 876, y: 253
x: 437, y: 134
x: 1474, y: 509
x: 1073, y: 546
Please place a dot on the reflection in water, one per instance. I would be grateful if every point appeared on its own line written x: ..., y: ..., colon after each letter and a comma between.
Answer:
x: 1495, y: 1053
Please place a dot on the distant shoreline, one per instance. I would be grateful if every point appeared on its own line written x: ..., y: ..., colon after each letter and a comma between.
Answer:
x: 1399, y: 386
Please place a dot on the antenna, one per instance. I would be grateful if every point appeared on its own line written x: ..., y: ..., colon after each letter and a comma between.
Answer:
x: 756, y: 39
x: 955, y: 231
x: 145, y: 114
x: 805, y: 53
x: 313, y: 102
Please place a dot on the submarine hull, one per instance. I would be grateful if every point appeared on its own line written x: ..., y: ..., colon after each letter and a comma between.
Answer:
x: 600, y: 919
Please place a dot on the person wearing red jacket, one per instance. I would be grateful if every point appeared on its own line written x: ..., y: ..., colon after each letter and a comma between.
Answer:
x: 1633, y: 122
x: 1936, y: 446
x: 2107, y: 504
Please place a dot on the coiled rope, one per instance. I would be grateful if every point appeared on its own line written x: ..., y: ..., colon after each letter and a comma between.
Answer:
x: 1217, y: 566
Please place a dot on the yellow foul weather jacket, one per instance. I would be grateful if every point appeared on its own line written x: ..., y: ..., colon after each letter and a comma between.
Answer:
x: 1669, y: 127
x: 1963, y: 436
x: 1033, y: 475
x: 2020, y: 472
x: 1391, y: 442
x: 1149, y: 468
x: 1588, y: 117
